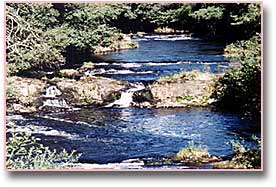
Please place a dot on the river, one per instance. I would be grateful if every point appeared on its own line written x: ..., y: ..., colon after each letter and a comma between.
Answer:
x: 112, y: 135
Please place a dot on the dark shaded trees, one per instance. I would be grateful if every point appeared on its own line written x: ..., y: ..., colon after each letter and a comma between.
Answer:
x: 47, y: 35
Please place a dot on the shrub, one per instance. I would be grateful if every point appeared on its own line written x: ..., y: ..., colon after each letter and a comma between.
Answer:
x: 243, y: 158
x: 240, y: 89
x: 29, y: 43
x: 25, y: 152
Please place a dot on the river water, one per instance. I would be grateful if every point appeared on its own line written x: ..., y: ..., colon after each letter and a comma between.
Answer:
x: 161, y: 56
x: 106, y: 135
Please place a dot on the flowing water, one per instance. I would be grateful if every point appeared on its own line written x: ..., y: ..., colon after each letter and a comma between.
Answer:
x: 119, y: 132
x: 106, y: 135
x: 126, y: 97
x: 52, y: 98
x: 161, y: 56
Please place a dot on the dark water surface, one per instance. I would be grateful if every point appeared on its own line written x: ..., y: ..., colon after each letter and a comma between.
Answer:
x: 106, y: 135
x: 161, y: 56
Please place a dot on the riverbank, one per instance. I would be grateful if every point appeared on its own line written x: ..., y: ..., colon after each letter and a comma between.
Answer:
x: 120, y: 44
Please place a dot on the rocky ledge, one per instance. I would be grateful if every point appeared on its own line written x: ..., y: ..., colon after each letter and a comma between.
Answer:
x: 124, y: 43
x: 25, y: 95
x: 181, y: 90
x: 73, y: 88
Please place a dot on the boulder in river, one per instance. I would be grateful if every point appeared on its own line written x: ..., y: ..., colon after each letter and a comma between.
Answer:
x: 89, y: 90
x: 86, y: 67
x: 124, y: 43
x: 27, y: 95
x: 184, y: 89
x: 23, y: 94
x: 195, y: 156
x: 69, y: 73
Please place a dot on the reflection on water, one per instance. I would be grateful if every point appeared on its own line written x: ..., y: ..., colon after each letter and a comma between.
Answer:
x: 112, y: 135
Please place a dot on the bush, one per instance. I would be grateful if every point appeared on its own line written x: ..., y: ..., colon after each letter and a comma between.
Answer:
x: 25, y: 152
x: 31, y: 42
x: 243, y: 158
x: 239, y: 90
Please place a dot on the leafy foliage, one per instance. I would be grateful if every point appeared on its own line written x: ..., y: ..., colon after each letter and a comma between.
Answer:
x: 29, y: 44
x: 240, y: 89
x: 245, y: 157
x: 25, y: 152
x: 209, y: 13
x: 48, y: 35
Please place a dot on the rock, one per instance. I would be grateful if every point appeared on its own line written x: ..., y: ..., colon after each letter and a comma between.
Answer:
x: 23, y: 94
x: 19, y: 108
x: 144, y: 95
x: 89, y: 90
x: 124, y: 43
x: 185, y: 89
x: 195, y: 156
x: 86, y: 66
x: 69, y: 73
x: 142, y: 105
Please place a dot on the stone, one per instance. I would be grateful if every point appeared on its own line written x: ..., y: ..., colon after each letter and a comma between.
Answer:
x: 26, y: 95
x: 23, y: 94
x: 68, y: 73
x: 89, y: 90
x: 185, y: 89
x: 86, y: 66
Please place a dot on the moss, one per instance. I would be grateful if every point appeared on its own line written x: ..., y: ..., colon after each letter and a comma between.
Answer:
x: 183, y: 76
x: 184, y: 98
x: 192, y: 154
x: 87, y: 65
x: 68, y: 73
x: 195, y: 100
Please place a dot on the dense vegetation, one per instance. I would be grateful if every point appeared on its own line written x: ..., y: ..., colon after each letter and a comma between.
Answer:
x: 240, y: 89
x: 49, y: 35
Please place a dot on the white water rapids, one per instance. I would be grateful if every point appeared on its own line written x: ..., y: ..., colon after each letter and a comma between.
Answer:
x: 126, y: 96
x: 52, y: 98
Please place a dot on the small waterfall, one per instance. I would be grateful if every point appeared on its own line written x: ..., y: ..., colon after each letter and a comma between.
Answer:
x: 52, y: 98
x: 52, y: 92
x: 126, y: 96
